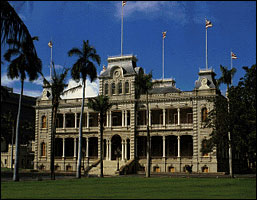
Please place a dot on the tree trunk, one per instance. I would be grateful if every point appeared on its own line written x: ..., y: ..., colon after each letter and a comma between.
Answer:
x: 101, y: 145
x: 229, y: 144
x: 12, y: 146
x: 148, y: 170
x: 17, y: 144
x: 54, y: 113
x: 78, y: 174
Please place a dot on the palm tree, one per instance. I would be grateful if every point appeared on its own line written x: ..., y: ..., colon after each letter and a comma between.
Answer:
x: 101, y: 105
x: 82, y: 68
x: 57, y: 86
x: 12, y: 27
x: 226, y: 78
x: 25, y: 61
x: 144, y: 85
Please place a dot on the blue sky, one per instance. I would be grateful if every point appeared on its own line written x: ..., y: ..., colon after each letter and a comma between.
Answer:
x: 68, y: 23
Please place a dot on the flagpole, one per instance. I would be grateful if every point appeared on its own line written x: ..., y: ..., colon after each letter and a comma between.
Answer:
x: 121, y: 27
x: 162, y: 58
x: 231, y: 65
x: 51, y: 62
x: 206, y: 48
x: 231, y: 57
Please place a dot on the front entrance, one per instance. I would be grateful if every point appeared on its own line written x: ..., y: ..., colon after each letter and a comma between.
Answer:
x: 116, y: 147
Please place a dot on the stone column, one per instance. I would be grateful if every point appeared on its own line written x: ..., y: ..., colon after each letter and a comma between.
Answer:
x: 163, y: 115
x: 126, y: 118
x: 76, y: 120
x: 122, y: 118
x: 163, y: 147
x: 178, y: 116
x: 110, y: 118
x: 107, y: 149
x: 122, y: 150
x: 178, y: 146
x: 63, y: 147
x: 110, y: 149
x: 75, y: 147
x: 87, y: 153
x: 87, y: 119
x: 126, y: 147
x: 64, y: 121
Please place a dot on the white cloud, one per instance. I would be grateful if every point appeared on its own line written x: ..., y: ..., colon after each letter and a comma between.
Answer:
x: 39, y: 81
x: 6, y: 81
x: 92, y: 89
x: 58, y: 66
x: 168, y: 9
x: 31, y: 93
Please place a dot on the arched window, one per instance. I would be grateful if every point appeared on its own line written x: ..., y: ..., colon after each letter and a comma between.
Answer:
x: 204, y: 114
x: 43, y: 121
x: 106, y: 88
x: 43, y: 149
x: 113, y: 88
x: 126, y: 87
x: 120, y: 87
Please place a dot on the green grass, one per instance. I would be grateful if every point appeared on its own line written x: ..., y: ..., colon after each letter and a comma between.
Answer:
x: 133, y: 187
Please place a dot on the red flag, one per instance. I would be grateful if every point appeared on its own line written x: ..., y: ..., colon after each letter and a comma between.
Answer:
x: 50, y: 44
x: 233, y: 56
x: 164, y: 34
x: 208, y: 23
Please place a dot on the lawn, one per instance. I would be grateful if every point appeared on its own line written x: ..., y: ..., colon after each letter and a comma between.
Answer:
x: 132, y: 187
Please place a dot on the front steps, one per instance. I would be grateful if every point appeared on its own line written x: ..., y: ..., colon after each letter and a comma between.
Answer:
x: 109, y: 168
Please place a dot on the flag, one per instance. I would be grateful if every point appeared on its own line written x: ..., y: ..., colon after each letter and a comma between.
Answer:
x: 208, y: 23
x: 233, y: 56
x: 124, y: 3
x: 164, y: 34
x: 50, y: 44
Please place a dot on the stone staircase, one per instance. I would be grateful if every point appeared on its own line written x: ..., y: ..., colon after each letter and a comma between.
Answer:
x: 109, y: 168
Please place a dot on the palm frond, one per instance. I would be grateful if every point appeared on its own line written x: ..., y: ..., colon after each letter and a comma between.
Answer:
x: 75, y: 51
x: 11, y: 52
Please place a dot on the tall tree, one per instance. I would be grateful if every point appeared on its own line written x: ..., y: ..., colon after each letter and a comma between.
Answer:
x: 25, y: 61
x: 144, y: 84
x: 101, y: 105
x: 12, y: 27
x: 81, y: 69
x: 226, y: 78
x: 57, y: 85
x: 243, y: 117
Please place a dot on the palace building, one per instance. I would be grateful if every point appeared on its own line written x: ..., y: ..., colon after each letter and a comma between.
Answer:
x: 176, y: 121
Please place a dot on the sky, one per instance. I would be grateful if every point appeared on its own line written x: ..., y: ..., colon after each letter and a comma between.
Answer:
x: 68, y: 23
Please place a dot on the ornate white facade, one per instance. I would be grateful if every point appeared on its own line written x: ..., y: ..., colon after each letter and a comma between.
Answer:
x: 175, y: 119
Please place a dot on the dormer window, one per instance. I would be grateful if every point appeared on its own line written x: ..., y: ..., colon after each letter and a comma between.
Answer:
x: 113, y: 88
x: 106, y: 88
x: 126, y: 87
x: 204, y: 114
x: 43, y: 122
x: 120, y: 87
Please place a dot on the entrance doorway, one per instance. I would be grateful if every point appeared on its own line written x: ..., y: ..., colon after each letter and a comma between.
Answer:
x: 116, y: 147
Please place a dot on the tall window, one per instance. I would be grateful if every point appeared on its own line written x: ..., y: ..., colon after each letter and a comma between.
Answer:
x: 106, y: 89
x: 204, y: 114
x: 43, y: 121
x: 120, y: 87
x: 113, y: 88
x: 43, y: 149
x: 126, y: 87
